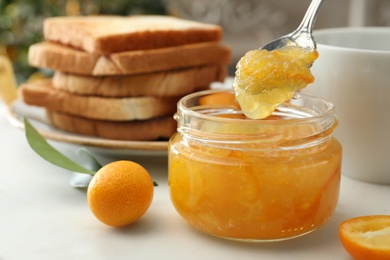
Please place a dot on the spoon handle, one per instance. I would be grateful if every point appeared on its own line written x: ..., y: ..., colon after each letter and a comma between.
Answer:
x: 310, y: 17
x: 302, y: 36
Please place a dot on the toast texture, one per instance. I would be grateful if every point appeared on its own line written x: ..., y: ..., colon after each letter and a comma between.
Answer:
x: 41, y: 93
x: 159, y: 84
x: 54, y: 56
x: 105, y: 34
x: 138, y: 130
x: 120, y: 77
x: 61, y: 58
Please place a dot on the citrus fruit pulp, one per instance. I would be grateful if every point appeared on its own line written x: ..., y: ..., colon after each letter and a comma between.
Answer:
x: 243, y: 195
x: 120, y: 193
x: 367, y: 237
x: 265, y: 79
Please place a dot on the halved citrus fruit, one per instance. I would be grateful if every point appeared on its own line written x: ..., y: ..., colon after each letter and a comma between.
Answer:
x: 367, y: 237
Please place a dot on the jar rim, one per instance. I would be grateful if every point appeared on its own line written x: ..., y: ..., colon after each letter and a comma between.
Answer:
x: 304, y: 121
x: 181, y: 105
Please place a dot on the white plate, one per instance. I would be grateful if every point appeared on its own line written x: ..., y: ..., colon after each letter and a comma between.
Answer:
x: 107, y: 147
x: 36, y: 115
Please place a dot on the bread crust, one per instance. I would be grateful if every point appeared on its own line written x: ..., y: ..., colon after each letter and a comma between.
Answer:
x: 41, y: 93
x: 138, y: 130
x: 61, y: 58
x: 105, y: 34
x: 178, y: 57
x: 54, y: 56
x: 159, y: 84
x: 120, y: 77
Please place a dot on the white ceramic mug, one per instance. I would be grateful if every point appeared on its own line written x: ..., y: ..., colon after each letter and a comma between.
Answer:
x: 353, y: 71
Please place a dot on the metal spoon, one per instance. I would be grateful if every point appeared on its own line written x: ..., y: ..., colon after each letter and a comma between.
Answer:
x: 302, y: 36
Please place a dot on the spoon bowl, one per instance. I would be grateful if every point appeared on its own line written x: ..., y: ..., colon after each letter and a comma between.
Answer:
x: 302, y: 36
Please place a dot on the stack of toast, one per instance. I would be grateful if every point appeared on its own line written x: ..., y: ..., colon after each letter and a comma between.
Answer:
x: 120, y: 77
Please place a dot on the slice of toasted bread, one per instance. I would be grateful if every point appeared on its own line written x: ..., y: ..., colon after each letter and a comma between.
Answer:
x: 159, y: 84
x: 41, y: 93
x: 59, y: 57
x: 65, y: 59
x: 105, y: 34
x: 138, y: 130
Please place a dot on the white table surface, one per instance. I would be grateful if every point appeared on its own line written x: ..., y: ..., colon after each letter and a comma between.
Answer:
x: 43, y: 217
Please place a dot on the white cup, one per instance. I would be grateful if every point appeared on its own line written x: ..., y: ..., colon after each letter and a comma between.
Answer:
x: 353, y: 71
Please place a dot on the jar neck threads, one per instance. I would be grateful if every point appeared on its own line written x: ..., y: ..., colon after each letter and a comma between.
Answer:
x: 215, y: 118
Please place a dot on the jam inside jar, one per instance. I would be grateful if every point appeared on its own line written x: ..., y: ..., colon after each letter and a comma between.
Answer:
x: 254, y: 180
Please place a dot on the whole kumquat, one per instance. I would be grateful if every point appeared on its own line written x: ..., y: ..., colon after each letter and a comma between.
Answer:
x: 120, y: 193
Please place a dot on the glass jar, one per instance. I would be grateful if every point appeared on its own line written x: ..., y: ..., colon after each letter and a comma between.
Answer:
x: 254, y: 180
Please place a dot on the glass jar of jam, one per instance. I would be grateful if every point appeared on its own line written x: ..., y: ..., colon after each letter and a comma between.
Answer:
x: 254, y: 180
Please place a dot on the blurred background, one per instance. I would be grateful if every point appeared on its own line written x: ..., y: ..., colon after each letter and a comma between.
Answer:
x: 247, y: 24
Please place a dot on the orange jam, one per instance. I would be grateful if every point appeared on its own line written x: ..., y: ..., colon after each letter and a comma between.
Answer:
x: 256, y: 180
x: 265, y: 79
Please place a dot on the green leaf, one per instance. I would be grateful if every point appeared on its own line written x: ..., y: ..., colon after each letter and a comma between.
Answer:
x: 49, y: 153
